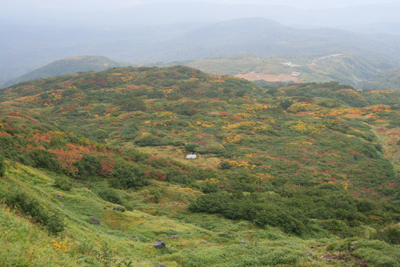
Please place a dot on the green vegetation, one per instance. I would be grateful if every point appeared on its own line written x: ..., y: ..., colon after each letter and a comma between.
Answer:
x: 374, y: 72
x: 287, y: 172
x: 383, y: 80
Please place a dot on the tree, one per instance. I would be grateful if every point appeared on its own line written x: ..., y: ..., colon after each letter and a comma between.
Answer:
x: 2, y: 166
x: 191, y: 147
x: 89, y: 166
x: 132, y: 104
x: 286, y: 104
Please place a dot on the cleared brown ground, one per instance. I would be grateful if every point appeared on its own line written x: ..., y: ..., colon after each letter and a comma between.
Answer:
x: 353, y: 115
x: 253, y: 76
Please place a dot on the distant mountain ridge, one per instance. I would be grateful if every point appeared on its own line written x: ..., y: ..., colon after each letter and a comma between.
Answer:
x: 67, y: 66
x: 260, y: 36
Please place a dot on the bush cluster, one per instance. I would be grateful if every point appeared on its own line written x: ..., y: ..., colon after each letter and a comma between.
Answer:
x: 337, y: 210
x: 29, y: 206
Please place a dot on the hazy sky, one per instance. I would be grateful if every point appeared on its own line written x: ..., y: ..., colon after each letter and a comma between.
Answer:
x: 127, y: 12
x: 96, y: 4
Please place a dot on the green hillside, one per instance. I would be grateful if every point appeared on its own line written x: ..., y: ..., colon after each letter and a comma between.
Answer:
x: 346, y: 68
x: 383, y: 80
x: 66, y: 66
x: 293, y: 176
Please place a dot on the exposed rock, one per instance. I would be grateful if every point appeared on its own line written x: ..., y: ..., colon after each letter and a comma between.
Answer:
x: 159, y: 244
x: 204, y: 215
x: 118, y: 208
x: 159, y: 265
x: 215, y: 217
x: 62, y: 205
x: 243, y: 242
x: 205, y: 243
x: 96, y: 221
x: 70, y: 184
x: 310, y: 253
x: 59, y: 196
x: 151, y: 222
x: 132, y: 245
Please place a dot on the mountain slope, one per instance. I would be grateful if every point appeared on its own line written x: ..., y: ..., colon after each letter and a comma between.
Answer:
x: 345, y: 68
x: 280, y: 174
x: 383, y: 80
x: 67, y: 66
x: 262, y: 37
x: 176, y: 106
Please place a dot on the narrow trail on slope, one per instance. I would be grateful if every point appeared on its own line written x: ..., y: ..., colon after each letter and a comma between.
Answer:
x: 395, y: 158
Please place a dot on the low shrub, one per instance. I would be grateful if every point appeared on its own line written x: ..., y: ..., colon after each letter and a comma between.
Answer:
x: 55, y: 224
x: 2, y: 166
x: 62, y: 184
x: 111, y: 195
x: 389, y: 235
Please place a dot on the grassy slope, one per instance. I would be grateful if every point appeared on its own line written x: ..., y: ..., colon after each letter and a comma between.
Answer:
x: 82, y: 243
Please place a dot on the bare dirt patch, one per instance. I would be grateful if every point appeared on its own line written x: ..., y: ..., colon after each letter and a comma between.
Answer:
x: 353, y: 115
x: 302, y: 113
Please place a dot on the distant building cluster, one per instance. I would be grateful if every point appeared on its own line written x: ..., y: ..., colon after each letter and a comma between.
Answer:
x: 290, y: 64
x: 295, y: 74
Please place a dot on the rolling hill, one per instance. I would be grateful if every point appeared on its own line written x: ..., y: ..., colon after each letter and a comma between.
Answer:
x: 67, y: 66
x: 283, y: 175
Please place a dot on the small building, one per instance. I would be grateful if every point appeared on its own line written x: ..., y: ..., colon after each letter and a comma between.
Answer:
x: 295, y: 74
x: 191, y: 156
